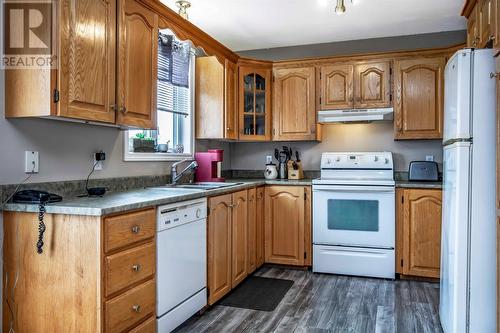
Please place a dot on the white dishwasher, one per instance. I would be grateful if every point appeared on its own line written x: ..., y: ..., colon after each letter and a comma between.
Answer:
x: 181, y: 257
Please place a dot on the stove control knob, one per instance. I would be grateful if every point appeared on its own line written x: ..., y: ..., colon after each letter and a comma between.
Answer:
x: 328, y: 161
x: 198, y: 213
x: 375, y: 158
x: 386, y: 161
x: 338, y: 159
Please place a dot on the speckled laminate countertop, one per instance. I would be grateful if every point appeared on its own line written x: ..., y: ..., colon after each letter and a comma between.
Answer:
x: 414, y: 184
x: 115, y: 202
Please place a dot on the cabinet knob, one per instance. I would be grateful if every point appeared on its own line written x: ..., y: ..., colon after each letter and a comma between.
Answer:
x: 491, y: 37
x: 136, y: 308
x: 136, y: 267
x: 113, y: 107
x: 123, y: 109
x: 135, y: 229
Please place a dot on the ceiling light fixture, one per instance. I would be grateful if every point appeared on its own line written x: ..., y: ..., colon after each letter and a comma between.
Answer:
x: 183, y: 5
x: 340, y: 8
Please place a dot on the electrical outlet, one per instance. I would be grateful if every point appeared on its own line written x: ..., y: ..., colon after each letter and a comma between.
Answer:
x: 98, y: 162
x: 429, y: 158
x: 269, y: 159
x: 31, y: 161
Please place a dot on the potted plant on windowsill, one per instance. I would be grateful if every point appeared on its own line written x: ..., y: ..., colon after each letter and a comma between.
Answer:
x: 142, y: 143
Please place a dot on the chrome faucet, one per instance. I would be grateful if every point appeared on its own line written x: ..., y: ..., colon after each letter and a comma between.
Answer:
x: 175, y: 175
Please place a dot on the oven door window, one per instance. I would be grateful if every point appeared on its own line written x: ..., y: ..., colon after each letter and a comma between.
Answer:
x: 353, y: 215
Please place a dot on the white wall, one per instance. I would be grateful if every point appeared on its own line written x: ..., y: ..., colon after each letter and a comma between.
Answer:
x: 339, y: 138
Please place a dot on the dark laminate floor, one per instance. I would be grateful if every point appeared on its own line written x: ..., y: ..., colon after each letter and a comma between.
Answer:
x: 320, y: 303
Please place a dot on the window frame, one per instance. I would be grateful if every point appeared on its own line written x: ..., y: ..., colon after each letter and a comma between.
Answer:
x: 129, y: 156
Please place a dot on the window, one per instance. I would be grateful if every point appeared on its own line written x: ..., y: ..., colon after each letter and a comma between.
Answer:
x: 174, y: 138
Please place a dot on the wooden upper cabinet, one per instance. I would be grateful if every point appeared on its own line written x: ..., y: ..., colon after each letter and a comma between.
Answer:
x: 422, y: 232
x: 215, y: 99
x: 336, y: 87
x: 284, y: 225
x: 294, y: 111
x: 254, y: 100
x: 473, y: 36
x: 219, y: 247
x: 230, y: 100
x: 487, y: 12
x: 419, y: 98
x: 87, y: 68
x: 239, y: 237
x: 137, y: 65
x: 372, y: 85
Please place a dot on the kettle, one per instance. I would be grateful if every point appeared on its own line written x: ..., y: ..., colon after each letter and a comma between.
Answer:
x: 271, y: 171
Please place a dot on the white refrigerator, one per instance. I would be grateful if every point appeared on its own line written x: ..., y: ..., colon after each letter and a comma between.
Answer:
x: 468, y: 249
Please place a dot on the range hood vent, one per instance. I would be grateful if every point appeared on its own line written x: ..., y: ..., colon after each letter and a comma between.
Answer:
x: 355, y: 115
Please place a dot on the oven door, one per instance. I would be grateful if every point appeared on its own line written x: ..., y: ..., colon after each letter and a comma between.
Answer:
x: 349, y: 215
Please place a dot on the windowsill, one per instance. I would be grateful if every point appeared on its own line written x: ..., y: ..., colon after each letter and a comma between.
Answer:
x: 155, y: 157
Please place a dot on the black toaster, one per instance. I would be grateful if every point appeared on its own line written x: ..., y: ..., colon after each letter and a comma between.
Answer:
x: 423, y: 171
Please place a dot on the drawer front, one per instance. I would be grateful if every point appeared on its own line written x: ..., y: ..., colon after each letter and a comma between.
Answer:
x: 131, y: 307
x: 127, y: 267
x: 149, y: 326
x: 126, y: 229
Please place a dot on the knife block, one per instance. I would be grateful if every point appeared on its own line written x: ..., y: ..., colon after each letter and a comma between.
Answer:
x: 295, y: 173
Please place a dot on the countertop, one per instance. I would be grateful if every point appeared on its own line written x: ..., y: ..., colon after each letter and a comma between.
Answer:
x: 416, y: 184
x: 115, y: 202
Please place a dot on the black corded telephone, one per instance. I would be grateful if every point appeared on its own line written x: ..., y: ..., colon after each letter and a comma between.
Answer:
x: 41, y: 198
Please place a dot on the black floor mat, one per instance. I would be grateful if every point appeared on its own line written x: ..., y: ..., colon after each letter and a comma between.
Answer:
x: 258, y: 293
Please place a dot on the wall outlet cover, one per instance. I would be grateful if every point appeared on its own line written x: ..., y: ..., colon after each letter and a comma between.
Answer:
x: 31, y: 161
x: 429, y: 158
x: 98, y: 165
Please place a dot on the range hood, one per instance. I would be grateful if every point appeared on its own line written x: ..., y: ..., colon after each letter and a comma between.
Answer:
x: 355, y: 115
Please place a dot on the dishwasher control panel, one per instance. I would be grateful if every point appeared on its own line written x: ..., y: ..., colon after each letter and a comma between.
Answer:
x: 179, y: 213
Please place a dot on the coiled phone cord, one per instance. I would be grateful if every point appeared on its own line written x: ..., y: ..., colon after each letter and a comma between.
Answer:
x: 41, y: 227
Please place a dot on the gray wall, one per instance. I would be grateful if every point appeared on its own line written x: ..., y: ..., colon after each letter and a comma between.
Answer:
x: 340, y: 138
x: 385, y: 44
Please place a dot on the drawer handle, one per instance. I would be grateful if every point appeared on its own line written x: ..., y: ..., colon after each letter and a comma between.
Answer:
x: 136, y: 308
x: 136, y: 267
x: 135, y: 229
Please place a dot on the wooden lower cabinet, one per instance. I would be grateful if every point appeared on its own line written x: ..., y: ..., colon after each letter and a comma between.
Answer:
x: 108, y: 294
x: 219, y: 247
x: 227, y: 243
x: 259, y: 221
x: 252, y: 231
x: 285, y: 208
x: 239, y: 237
x: 418, y: 232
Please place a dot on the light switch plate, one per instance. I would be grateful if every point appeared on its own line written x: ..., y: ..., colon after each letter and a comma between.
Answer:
x: 31, y: 161
x: 269, y: 159
x: 429, y: 158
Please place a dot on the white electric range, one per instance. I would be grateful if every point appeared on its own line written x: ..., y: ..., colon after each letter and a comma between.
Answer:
x: 354, y: 215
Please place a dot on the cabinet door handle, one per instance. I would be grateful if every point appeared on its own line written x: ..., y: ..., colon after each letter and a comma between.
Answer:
x: 136, y: 267
x: 491, y: 37
x: 492, y: 75
x: 135, y: 229
x: 136, y: 308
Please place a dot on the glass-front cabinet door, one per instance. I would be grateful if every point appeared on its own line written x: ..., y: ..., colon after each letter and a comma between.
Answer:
x: 255, y: 104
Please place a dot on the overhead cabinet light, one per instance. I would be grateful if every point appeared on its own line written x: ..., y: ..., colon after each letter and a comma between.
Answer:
x: 355, y: 115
